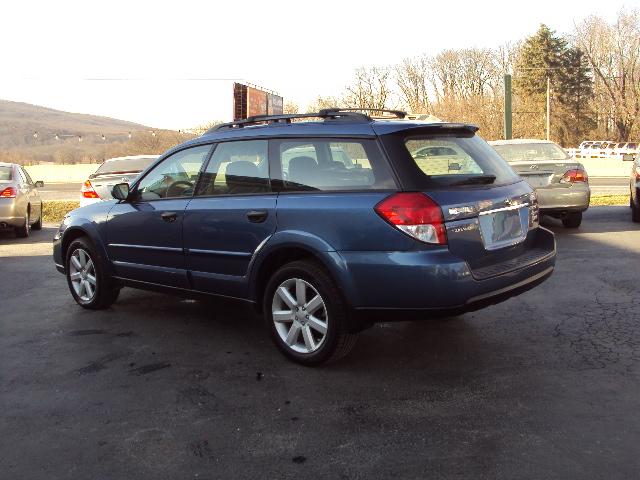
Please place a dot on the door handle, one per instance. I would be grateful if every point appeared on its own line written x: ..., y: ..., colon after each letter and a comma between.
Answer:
x: 169, y: 216
x: 257, y: 216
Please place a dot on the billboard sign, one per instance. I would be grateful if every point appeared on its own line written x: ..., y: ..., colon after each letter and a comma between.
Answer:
x: 249, y: 101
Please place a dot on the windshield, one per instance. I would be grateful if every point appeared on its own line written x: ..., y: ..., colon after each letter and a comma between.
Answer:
x: 125, y: 165
x: 458, y: 159
x: 531, y: 151
x: 5, y: 174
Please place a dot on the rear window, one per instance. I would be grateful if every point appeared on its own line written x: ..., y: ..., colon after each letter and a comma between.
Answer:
x: 531, y: 151
x: 5, y: 173
x: 458, y: 159
x: 330, y: 165
x: 632, y: 145
x: 126, y: 165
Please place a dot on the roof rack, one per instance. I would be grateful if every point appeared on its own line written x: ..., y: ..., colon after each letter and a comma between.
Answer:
x: 396, y: 113
x: 354, y: 114
x: 287, y: 118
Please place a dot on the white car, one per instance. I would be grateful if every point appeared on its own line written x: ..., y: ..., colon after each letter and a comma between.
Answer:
x: 97, y: 187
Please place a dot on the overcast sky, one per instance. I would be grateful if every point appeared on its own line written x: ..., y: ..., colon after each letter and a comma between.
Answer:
x: 55, y: 53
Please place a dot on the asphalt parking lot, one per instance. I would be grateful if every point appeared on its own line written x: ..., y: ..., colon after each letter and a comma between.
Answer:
x: 543, y: 386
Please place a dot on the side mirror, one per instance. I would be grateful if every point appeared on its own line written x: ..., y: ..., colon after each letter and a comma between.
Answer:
x: 39, y: 184
x: 120, y: 191
x: 627, y: 157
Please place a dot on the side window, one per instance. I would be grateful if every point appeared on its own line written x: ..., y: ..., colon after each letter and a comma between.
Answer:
x: 237, y: 168
x: 175, y: 176
x: 26, y: 176
x: 325, y: 164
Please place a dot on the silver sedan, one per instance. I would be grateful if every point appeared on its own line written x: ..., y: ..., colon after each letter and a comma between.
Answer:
x: 561, y: 182
x: 20, y: 203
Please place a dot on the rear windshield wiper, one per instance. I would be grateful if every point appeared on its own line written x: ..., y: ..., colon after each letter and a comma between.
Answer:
x: 476, y: 180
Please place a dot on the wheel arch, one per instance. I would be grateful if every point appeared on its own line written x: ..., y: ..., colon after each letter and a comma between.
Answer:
x: 73, y: 232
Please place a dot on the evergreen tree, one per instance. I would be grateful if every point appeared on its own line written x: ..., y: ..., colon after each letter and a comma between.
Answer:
x: 546, y: 56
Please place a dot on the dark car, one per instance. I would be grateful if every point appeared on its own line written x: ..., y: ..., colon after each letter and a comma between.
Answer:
x: 322, y: 246
x: 634, y: 186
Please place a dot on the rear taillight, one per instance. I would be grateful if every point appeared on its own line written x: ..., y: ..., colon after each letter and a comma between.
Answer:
x: 575, y: 175
x: 88, y: 191
x: 415, y: 214
x: 8, y: 192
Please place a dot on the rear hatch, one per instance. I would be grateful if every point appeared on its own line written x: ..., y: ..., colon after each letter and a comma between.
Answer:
x: 490, y: 213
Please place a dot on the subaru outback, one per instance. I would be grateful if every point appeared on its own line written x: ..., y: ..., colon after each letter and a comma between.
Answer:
x: 326, y: 222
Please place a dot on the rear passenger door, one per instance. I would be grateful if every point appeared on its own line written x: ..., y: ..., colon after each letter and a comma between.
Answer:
x: 231, y: 215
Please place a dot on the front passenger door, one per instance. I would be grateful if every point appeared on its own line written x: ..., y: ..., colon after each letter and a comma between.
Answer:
x: 144, y: 235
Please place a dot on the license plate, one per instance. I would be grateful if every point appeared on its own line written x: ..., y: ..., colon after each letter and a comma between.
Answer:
x: 536, y: 181
x: 503, y: 227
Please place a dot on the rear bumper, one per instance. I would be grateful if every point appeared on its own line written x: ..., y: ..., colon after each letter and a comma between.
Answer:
x: 9, y: 215
x: 574, y: 197
x: 438, y: 283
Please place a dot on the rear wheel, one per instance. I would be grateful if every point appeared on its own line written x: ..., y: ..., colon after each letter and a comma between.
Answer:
x: 38, y: 224
x: 24, y: 231
x: 572, y: 220
x: 306, y: 314
x: 89, y: 285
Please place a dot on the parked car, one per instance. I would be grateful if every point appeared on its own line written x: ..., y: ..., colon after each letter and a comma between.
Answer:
x: 634, y: 185
x: 561, y: 183
x: 625, y: 148
x: 111, y: 172
x: 322, y: 249
x: 20, y: 203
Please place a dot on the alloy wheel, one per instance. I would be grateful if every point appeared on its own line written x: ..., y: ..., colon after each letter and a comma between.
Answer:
x: 300, y: 315
x: 82, y: 273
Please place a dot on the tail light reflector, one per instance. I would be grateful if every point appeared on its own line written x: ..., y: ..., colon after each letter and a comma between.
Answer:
x: 415, y: 214
x: 575, y: 175
x: 88, y: 191
x: 8, y: 192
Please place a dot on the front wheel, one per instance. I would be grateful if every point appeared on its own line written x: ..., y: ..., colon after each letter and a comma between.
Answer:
x: 306, y: 314
x: 572, y: 220
x: 89, y: 285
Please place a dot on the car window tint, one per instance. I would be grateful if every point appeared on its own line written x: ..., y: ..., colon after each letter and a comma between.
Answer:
x: 439, y: 156
x: 237, y: 168
x: 175, y: 176
x: 5, y: 173
x: 325, y: 164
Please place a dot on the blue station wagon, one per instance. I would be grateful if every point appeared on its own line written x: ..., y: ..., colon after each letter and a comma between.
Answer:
x: 327, y: 222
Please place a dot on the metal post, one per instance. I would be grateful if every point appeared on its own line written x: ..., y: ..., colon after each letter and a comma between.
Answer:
x: 548, y: 108
x: 508, y: 118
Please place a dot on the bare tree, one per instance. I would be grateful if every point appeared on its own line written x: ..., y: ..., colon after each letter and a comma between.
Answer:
x: 290, y: 107
x: 412, y: 79
x: 370, y: 89
x: 613, y: 52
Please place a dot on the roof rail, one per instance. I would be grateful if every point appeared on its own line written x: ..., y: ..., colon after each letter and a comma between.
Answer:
x: 396, y: 113
x: 286, y: 118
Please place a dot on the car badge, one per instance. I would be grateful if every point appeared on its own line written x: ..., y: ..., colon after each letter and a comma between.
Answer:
x: 125, y: 179
x: 534, y: 167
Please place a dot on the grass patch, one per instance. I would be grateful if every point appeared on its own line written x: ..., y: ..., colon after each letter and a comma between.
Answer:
x: 600, y: 200
x: 54, y: 211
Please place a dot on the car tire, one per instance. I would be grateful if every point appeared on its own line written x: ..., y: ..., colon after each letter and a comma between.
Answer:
x: 23, y: 231
x: 572, y: 220
x: 306, y: 314
x: 635, y: 212
x: 38, y: 224
x: 88, y: 282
